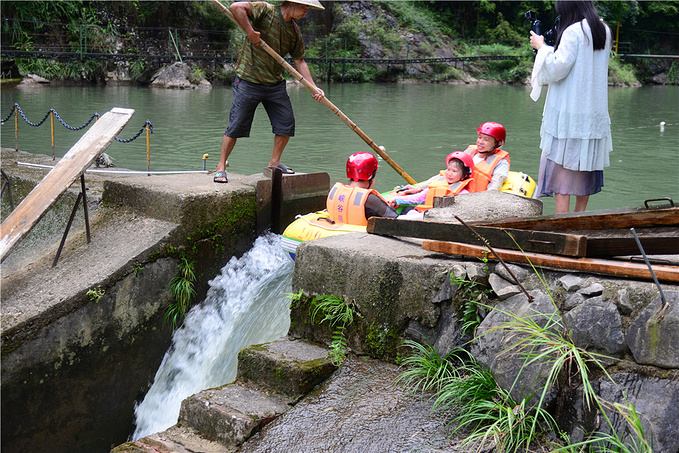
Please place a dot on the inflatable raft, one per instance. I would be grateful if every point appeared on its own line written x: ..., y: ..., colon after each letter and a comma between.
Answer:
x: 319, y: 224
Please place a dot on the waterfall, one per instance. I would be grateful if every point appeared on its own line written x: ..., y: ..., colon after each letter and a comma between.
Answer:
x: 246, y: 304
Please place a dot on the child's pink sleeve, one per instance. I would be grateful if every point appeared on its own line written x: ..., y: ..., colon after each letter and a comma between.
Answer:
x: 413, y: 199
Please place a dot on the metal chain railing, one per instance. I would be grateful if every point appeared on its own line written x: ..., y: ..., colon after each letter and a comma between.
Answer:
x: 147, y: 126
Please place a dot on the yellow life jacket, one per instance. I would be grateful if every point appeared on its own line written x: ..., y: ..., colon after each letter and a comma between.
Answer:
x: 346, y: 204
x: 483, y: 170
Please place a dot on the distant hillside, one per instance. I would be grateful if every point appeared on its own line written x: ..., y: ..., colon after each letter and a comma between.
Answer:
x: 353, y: 29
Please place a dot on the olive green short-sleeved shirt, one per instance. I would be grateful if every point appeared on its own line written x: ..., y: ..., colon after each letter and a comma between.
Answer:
x: 254, y: 64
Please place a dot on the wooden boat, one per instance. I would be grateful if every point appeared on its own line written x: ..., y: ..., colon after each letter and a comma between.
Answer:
x: 318, y: 224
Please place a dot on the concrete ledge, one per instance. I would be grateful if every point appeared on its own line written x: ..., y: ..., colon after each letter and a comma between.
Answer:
x: 390, y: 281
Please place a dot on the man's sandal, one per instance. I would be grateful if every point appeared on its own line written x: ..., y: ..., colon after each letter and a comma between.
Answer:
x: 220, y: 174
x: 285, y: 170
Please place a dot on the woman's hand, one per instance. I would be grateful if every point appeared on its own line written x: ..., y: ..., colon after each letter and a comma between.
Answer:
x: 536, y: 41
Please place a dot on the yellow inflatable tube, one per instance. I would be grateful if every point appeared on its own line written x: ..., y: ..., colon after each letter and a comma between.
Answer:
x: 313, y: 226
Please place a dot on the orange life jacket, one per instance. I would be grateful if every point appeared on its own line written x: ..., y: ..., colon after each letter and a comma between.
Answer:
x: 441, y: 188
x: 483, y: 170
x: 346, y: 204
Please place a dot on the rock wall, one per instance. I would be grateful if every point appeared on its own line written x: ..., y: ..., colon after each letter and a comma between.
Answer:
x: 403, y: 292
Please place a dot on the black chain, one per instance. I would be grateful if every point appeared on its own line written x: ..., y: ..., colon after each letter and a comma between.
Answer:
x: 143, y: 128
x: 96, y: 115
x: 10, y: 114
x: 16, y: 107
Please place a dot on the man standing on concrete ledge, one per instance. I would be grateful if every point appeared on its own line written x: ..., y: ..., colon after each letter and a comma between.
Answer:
x: 259, y: 77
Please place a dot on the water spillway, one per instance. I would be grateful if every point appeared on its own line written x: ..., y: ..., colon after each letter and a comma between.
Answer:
x: 246, y: 304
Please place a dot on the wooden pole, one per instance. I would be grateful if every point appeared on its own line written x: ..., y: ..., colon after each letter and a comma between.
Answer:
x: 299, y: 77
x: 593, y: 265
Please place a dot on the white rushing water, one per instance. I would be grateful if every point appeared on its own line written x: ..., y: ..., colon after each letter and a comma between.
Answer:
x: 245, y: 305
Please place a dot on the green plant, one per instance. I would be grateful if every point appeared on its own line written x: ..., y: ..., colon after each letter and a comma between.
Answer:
x: 197, y: 75
x: 182, y: 290
x: 491, y: 415
x: 425, y: 370
x: 138, y: 267
x: 137, y: 69
x: 471, y: 294
x: 96, y: 294
x: 673, y: 73
x: 601, y: 442
x: 339, y: 315
x: 484, y: 409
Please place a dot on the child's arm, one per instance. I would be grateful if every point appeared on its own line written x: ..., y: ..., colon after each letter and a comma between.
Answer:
x: 413, y: 199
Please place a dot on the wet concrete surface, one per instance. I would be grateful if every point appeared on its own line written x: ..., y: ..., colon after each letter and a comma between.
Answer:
x: 359, y: 409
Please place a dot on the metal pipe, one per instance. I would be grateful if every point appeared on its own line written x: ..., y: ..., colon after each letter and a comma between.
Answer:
x: 655, y: 279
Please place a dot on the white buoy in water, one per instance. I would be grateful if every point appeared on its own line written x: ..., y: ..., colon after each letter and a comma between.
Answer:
x: 662, y: 126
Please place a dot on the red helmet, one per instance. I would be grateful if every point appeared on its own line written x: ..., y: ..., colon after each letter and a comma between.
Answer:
x: 466, y: 159
x: 361, y: 166
x: 495, y: 130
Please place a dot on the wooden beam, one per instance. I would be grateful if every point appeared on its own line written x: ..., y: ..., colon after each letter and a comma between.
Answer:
x: 59, y: 179
x: 590, y: 265
x: 512, y: 239
x: 655, y: 241
x: 592, y: 220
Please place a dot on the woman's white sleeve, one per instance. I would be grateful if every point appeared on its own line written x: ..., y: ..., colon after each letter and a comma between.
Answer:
x: 552, y: 66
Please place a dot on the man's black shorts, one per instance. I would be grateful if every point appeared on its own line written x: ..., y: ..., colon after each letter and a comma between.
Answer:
x: 247, y: 96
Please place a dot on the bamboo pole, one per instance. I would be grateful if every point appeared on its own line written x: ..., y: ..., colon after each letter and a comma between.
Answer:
x: 299, y: 77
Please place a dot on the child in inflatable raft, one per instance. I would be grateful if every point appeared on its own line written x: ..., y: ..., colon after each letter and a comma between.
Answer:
x: 454, y: 180
x: 350, y: 206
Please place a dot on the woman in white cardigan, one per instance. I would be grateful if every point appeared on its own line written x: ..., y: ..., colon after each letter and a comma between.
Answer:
x: 576, y: 128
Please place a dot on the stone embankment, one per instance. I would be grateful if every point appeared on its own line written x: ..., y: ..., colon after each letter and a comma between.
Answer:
x: 401, y: 291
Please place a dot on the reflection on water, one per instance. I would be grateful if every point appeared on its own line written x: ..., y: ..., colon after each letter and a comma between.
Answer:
x: 418, y: 124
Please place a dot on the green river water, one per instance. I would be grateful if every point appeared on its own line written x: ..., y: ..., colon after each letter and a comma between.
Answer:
x: 418, y: 124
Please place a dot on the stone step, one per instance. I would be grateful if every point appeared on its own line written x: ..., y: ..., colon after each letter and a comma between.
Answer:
x: 174, y: 440
x: 287, y: 367
x: 271, y: 378
x: 232, y: 413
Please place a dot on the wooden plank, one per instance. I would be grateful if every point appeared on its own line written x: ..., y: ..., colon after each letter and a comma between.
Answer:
x: 513, y: 239
x: 59, y: 179
x: 592, y: 220
x: 655, y: 241
x: 591, y: 265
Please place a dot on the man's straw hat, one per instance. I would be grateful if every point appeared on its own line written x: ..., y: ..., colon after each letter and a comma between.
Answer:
x: 315, y: 4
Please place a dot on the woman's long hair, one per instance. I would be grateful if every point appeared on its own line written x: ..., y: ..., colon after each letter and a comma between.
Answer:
x: 574, y: 11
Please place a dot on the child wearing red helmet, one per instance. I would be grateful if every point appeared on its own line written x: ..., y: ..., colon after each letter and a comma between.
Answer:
x: 451, y: 181
x: 491, y: 163
x: 356, y: 202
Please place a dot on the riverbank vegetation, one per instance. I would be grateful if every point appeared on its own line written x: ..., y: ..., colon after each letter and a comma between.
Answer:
x: 385, y: 30
x: 490, y: 417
